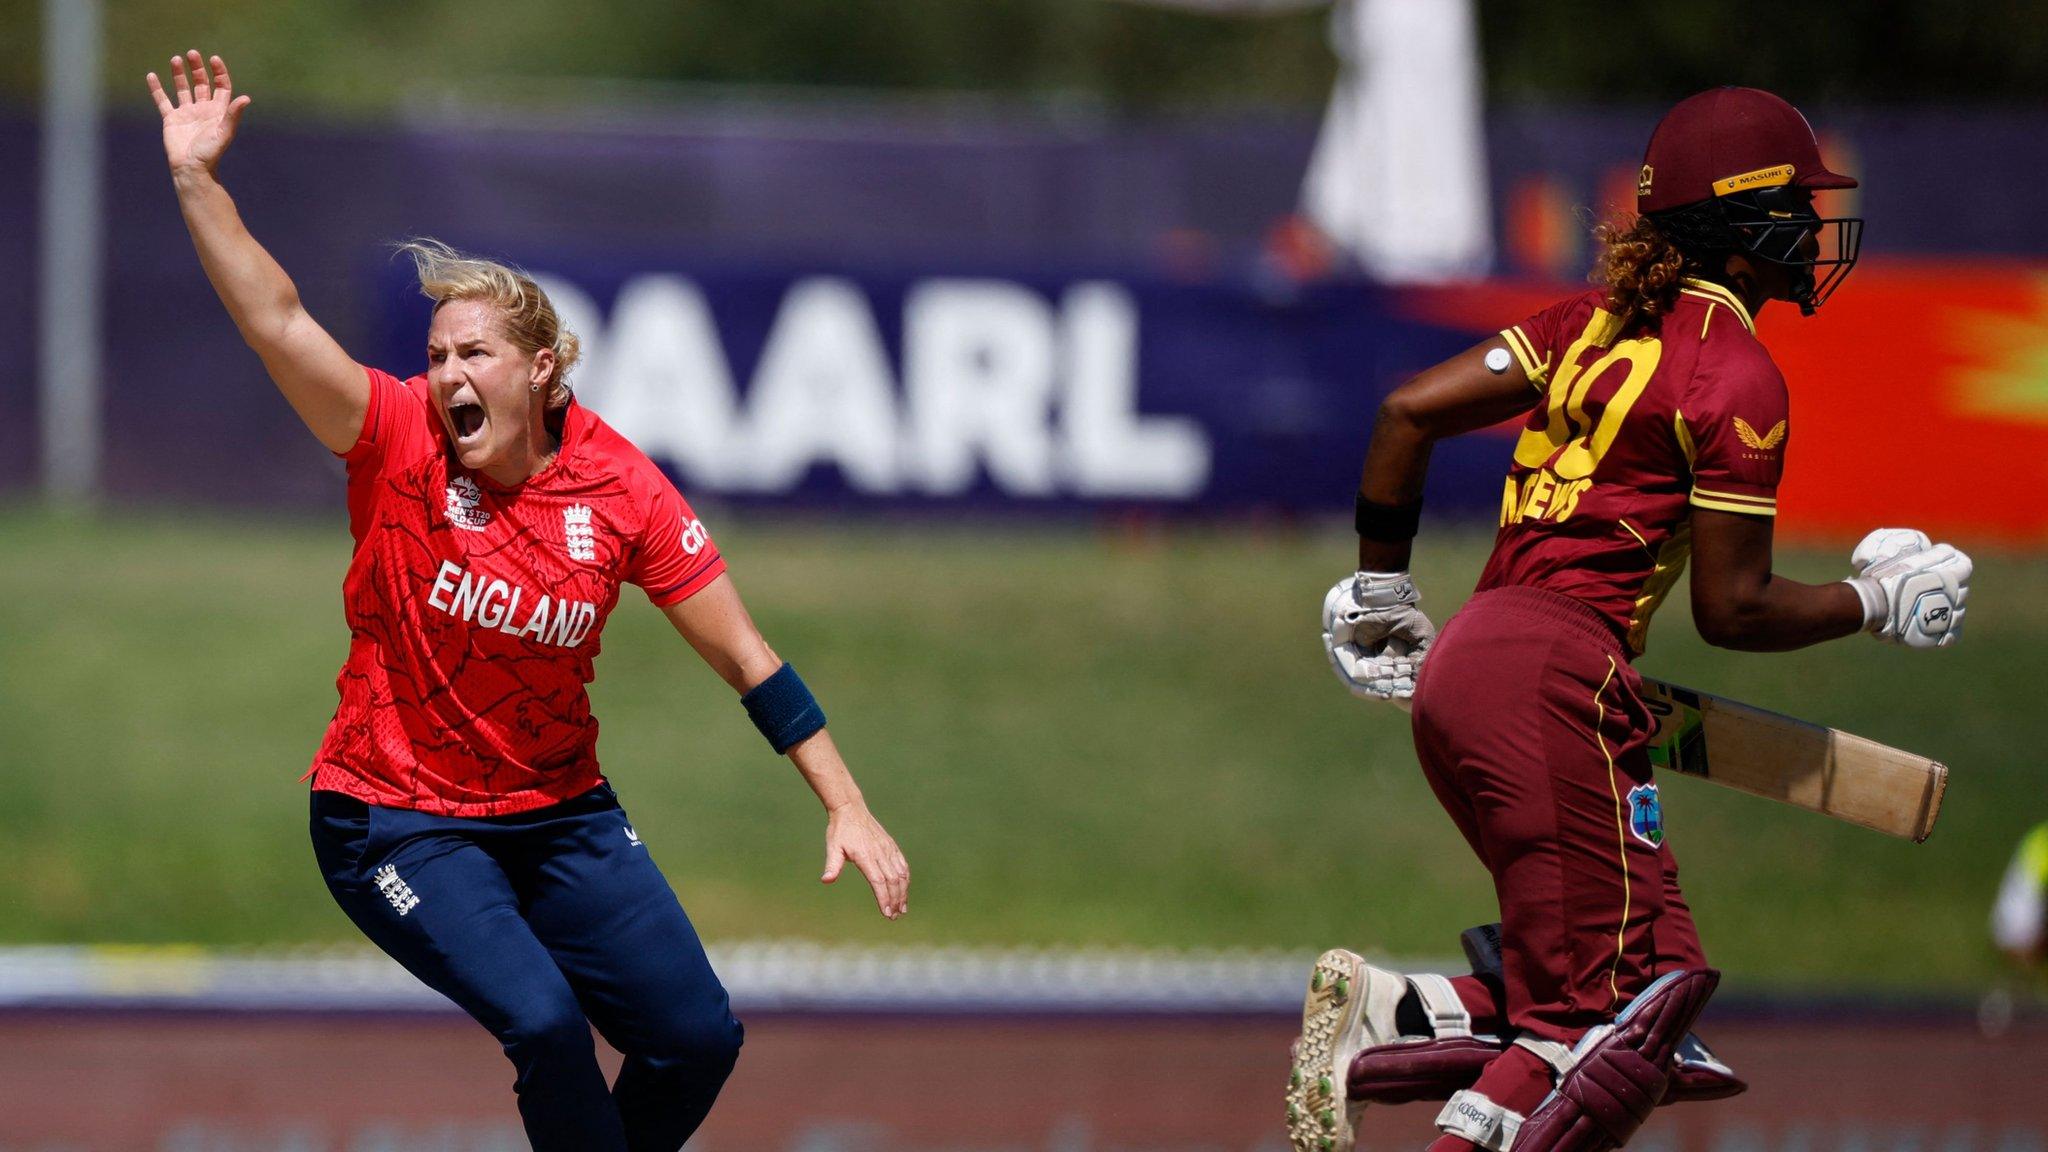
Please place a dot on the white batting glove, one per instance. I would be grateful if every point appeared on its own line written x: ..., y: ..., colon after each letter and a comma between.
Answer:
x: 1913, y: 591
x: 1888, y: 544
x: 1375, y: 635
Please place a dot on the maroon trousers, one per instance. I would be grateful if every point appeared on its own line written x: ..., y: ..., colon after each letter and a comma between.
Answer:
x: 1531, y: 728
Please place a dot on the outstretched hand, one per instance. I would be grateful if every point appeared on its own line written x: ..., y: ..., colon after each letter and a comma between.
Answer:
x: 852, y: 833
x: 200, y: 125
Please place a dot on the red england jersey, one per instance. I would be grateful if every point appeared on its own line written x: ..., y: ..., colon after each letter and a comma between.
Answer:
x: 1636, y: 428
x: 474, y: 609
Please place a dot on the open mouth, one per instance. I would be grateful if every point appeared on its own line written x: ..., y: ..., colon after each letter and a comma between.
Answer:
x: 467, y: 419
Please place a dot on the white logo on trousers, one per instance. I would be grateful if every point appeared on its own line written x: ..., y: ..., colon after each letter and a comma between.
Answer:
x: 395, y: 890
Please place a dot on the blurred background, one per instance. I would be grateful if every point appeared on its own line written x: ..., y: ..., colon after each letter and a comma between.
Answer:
x: 1021, y: 356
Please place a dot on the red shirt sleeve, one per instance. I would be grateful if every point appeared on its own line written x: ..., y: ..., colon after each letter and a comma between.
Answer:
x: 397, y: 433
x: 1538, y: 341
x: 673, y: 558
x: 1733, y: 428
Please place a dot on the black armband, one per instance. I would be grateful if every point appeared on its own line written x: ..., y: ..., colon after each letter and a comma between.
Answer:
x: 783, y: 709
x: 1391, y: 523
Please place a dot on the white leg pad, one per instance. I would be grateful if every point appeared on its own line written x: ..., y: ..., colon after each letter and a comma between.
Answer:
x: 1471, y: 1116
x: 1558, y: 1056
x: 1447, y: 1015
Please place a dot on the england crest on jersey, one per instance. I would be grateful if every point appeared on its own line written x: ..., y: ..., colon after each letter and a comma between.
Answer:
x: 465, y: 505
x: 577, y: 534
x: 1646, y: 815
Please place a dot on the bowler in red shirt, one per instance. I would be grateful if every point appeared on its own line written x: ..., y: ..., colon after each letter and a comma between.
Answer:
x: 458, y: 812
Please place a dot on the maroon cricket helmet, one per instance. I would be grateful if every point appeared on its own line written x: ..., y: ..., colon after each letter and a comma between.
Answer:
x: 1727, y: 140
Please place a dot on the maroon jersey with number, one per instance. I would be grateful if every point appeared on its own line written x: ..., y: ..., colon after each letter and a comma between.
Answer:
x: 474, y: 609
x: 1635, y: 429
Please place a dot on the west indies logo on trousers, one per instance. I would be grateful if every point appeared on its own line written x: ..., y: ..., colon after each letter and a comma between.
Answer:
x: 1646, y: 815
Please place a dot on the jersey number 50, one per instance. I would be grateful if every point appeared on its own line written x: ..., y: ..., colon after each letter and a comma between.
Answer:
x: 1570, y: 444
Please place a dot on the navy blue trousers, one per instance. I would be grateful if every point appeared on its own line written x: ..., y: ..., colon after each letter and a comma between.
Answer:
x: 541, y: 925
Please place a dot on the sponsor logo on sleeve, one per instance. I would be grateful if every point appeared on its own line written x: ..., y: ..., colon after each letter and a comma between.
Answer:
x: 1766, y: 442
x: 695, y: 536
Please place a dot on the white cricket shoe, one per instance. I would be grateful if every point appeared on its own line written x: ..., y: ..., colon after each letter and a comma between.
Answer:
x: 1350, y: 1006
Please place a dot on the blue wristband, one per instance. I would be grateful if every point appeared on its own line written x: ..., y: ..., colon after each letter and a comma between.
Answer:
x: 783, y: 709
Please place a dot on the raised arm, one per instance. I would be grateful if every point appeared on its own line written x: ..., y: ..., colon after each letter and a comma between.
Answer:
x: 324, y: 385
x: 717, y: 625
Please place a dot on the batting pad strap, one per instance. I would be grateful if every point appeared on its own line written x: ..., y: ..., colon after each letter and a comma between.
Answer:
x: 1558, y: 1056
x: 1471, y: 1116
x: 783, y: 709
x: 1447, y: 1015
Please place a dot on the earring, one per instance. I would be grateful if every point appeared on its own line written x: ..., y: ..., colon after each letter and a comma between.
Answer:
x: 533, y: 388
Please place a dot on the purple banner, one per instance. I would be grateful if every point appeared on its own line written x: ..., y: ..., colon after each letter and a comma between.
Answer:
x: 988, y: 389
x: 1015, y: 251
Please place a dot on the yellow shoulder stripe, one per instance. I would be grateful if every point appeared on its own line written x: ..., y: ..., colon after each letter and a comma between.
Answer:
x: 1685, y: 443
x: 1538, y: 371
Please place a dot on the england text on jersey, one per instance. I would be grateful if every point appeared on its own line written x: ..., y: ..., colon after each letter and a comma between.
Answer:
x: 494, y: 603
x: 476, y: 610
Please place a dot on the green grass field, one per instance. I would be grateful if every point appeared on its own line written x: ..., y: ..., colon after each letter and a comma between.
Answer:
x: 1079, y: 739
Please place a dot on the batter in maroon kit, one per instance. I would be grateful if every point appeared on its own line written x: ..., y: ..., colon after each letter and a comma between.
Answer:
x: 1654, y: 429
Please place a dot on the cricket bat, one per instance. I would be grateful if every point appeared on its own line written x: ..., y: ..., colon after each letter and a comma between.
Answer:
x: 1820, y: 769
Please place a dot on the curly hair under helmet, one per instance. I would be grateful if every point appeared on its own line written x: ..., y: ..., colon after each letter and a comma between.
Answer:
x: 1642, y: 268
x: 531, y: 322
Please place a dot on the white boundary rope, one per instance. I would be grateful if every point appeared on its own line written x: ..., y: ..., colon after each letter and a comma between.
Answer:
x: 772, y: 975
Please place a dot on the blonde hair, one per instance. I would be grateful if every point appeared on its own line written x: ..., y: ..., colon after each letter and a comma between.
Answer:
x: 1642, y: 269
x: 530, y: 320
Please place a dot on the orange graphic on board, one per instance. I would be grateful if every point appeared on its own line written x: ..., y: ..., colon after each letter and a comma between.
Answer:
x: 1921, y: 391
